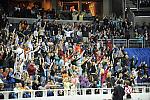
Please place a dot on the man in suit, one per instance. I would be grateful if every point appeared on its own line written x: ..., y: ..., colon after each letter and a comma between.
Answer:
x: 118, y: 91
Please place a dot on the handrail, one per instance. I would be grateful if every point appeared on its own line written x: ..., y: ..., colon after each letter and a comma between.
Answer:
x: 32, y: 20
x: 127, y: 42
x: 69, y: 92
x: 148, y: 84
x: 138, y: 39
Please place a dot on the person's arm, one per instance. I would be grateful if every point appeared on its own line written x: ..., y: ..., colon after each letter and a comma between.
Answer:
x: 14, y: 31
x: 82, y: 54
x: 70, y: 57
x: 2, y: 48
x: 36, y: 49
x: 44, y: 25
x: 83, y: 62
x: 51, y: 64
x: 71, y: 31
x: 136, y: 61
x: 22, y: 34
x: 64, y: 30
x: 15, y: 51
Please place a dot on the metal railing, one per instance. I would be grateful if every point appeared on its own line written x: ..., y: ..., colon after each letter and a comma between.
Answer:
x: 135, y: 43
x: 71, y: 92
x: 32, y: 20
x: 130, y: 43
x: 147, y: 44
x: 120, y: 42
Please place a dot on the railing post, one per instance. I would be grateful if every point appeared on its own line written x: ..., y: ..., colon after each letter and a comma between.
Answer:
x: 109, y: 91
x: 73, y: 91
x: 143, y: 90
x: 6, y: 95
x: 44, y: 93
x: 66, y: 92
x: 32, y: 94
x: 55, y: 92
x: 84, y: 91
x: 76, y: 91
x: 93, y: 91
x: 80, y: 92
x: 20, y: 94
x: 142, y: 42
x: 100, y: 91
x: 113, y: 42
x: 128, y: 43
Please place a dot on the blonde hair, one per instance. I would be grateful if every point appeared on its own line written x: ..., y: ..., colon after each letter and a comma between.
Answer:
x: 109, y: 74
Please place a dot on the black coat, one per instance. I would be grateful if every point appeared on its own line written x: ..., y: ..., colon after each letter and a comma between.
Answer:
x: 118, y: 93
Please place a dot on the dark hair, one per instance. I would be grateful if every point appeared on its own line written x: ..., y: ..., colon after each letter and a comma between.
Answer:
x: 119, y: 82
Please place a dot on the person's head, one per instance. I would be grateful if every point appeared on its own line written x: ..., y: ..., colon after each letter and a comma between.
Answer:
x: 32, y: 61
x: 25, y: 22
x: 1, y: 86
x: 7, y: 70
x: 29, y: 84
x: 19, y: 84
x: 118, y: 81
x: 10, y: 70
x: 127, y: 82
x: 133, y: 69
x: 1, y: 70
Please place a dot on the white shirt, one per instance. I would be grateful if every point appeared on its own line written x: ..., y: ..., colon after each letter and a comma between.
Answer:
x: 67, y: 45
x: 20, y: 53
x: 35, y: 33
x: 68, y: 33
x: 79, y: 33
x: 128, y: 90
x: 17, y: 75
x: 17, y: 39
x: 81, y: 17
x: 30, y: 45
x: 98, y: 45
x: 75, y: 16
x: 59, y: 37
x: 42, y: 32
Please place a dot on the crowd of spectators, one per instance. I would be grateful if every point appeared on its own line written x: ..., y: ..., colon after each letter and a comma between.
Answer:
x: 48, y: 55
x: 25, y: 11
x: 144, y: 3
x: 35, y: 11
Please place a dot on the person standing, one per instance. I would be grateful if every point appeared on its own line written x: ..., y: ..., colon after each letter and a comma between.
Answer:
x: 1, y: 89
x: 128, y: 90
x: 118, y: 91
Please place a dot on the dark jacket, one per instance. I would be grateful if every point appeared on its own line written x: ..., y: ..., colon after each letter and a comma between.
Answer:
x: 118, y: 93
